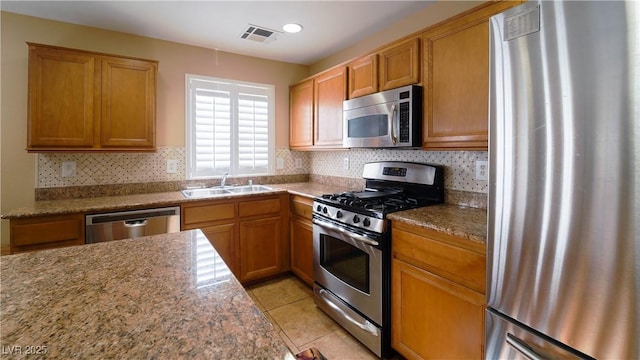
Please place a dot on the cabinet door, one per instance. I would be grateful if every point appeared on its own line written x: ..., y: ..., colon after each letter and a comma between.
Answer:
x: 434, y: 318
x: 301, y: 240
x: 330, y: 90
x: 363, y: 76
x: 223, y: 239
x: 400, y: 64
x: 456, y: 78
x: 301, y: 115
x: 63, y: 98
x: 128, y: 103
x: 260, y: 248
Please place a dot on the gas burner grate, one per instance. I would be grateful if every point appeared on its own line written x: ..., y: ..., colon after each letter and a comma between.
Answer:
x: 372, y: 200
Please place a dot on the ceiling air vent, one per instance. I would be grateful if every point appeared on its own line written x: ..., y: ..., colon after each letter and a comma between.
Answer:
x: 259, y: 34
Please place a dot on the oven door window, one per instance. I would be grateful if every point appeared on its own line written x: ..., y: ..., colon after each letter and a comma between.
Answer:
x: 346, y: 262
x: 368, y: 126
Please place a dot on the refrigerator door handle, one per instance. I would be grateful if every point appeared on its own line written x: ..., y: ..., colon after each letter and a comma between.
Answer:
x: 522, y: 347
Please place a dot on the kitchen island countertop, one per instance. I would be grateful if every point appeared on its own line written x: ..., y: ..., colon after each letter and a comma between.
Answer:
x: 153, y: 297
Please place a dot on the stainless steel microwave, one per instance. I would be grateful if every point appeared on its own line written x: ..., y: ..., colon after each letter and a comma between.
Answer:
x: 391, y: 118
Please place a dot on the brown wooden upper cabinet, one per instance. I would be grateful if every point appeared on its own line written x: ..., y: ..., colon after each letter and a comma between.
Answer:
x: 400, y: 64
x: 301, y: 115
x: 85, y: 101
x: 395, y: 65
x: 456, y: 80
x: 330, y: 90
x: 316, y: 111
x: 363, y: 76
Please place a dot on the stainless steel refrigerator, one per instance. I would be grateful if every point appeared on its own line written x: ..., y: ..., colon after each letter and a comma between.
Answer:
x: 563, y: 249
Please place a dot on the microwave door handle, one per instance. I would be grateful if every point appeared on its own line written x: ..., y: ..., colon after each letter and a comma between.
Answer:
x: 392, y: 134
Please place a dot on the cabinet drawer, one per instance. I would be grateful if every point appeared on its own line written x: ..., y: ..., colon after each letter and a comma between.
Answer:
x: 460, y: 265
x: 259, y: 207
x: 302, y: 206
x: 207, y: 212
x: 47, y: 232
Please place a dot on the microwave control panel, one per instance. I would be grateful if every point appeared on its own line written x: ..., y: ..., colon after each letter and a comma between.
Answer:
x: 405, y: 125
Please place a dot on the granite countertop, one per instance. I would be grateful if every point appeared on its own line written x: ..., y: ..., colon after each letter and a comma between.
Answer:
x: 152, y: 297
x: 312, y: 189
x: 126, y: 202
x: 464, y: 222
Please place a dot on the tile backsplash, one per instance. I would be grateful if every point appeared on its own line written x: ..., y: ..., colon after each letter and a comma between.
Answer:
x: 124, y: 168
x: 460, y: 166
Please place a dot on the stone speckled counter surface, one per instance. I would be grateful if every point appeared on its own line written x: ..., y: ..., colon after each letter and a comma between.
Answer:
x: 153, y: 297
x: 126, y: 202
x: 312, y: 189
x: 113, y: 203
x: 464, y: 222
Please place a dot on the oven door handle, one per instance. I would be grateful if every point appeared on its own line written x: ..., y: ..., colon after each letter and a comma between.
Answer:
x: 367, y: 326
x: 358, y: 237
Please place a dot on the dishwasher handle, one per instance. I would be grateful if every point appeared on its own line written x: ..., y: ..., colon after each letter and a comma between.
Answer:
x: 136, y: 223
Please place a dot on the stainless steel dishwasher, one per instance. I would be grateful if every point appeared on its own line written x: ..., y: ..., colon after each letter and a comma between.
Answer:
x: 131, y: 224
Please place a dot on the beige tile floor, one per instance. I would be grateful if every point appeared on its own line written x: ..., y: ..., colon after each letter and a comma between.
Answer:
x: 288, y: 304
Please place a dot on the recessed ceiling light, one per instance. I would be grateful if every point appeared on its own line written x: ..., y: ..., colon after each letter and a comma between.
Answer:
x: 292, y: 28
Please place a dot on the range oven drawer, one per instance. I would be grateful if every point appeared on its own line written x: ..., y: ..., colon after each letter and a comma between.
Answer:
x: 360, y: 327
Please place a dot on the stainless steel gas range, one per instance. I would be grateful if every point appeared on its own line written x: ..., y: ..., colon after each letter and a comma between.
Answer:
x: 352, y: 246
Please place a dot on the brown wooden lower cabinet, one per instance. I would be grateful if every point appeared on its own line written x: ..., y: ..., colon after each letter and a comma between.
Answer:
x: 434, y: 318
x: 438, y: 299
x: 249, y: 233
x: 301, y: 238
x: 260, y: 248
x: 223, y: 238
x: 46, y: 232
x: 301, y: 234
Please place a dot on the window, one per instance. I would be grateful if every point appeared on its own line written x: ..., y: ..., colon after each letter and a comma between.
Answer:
x: 229, y: 127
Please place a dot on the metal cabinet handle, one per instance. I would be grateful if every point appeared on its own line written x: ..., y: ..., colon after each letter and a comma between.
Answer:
x: 367, y: 326
x: 393, y: 136
x: 358, y: 237
x: 136, y: 223
x: 522, y: 347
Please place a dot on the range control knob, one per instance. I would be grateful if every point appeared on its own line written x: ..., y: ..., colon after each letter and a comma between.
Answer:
x: 356, y: 219
x: 339, y: 214
x: 324, y: 210
x: 366, y: 222
x: 319, y: 208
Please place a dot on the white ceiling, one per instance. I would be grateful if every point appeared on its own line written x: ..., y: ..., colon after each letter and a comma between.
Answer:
x: 329, y: 26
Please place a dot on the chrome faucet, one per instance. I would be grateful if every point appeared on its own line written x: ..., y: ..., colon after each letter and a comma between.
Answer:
x: 224, y: 178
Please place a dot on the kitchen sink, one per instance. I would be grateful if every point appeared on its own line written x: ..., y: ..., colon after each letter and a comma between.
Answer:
x: 248, y: 189
x: 203, y: 192
x: 226, y: 190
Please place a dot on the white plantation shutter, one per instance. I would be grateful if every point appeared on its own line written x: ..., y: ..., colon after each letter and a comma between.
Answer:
x: 212, y: 132
x: 229, y: 128
x: 253, y: 133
